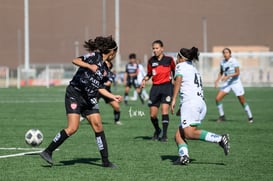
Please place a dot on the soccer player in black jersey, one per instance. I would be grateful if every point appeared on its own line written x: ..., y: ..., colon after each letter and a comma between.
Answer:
x: 130, y: 78
x: 81, y: 96
x: 160, y: 68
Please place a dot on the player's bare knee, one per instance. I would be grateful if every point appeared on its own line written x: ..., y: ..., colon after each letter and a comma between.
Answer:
x: 70, y: 131
x: 97, y: 127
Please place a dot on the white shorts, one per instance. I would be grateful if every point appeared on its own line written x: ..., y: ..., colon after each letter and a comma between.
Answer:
x: 192, y: 113
x: 237, y: 88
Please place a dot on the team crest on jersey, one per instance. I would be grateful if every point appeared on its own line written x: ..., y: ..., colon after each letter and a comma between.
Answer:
x: 168, y: 99
x: 73, y: 106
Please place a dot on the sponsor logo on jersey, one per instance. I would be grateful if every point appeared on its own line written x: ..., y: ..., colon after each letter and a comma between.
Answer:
x: 155, y: 64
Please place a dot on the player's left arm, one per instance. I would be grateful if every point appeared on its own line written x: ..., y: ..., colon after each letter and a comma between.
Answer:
x: 106, y: 93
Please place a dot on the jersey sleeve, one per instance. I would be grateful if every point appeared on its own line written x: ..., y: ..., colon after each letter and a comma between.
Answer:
x: 235, y: 63
x: 178, y: 70
x: 94, y: 59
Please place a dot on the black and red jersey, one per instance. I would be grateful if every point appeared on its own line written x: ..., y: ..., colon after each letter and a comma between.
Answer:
x: 161, y: 70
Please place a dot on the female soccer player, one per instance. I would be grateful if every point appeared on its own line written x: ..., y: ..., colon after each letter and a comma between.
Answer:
x: 230, y: 76
x: 160, y: 68
x: 81, y: 97
x: 130, y: 78
x: 193, y: 107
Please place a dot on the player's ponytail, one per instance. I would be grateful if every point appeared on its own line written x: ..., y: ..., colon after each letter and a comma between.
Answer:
x: 189, y: 54
x: 194, y: 53
x: 90, y: 45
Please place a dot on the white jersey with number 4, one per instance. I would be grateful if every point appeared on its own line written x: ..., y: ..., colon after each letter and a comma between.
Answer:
x: 191, y: 87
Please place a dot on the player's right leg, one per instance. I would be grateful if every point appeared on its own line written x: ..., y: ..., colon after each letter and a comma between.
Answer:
x: 72, y: 105
x: 126, y: 93
x: 218, y: 99
x: 73, y: 124
x: 154, y: 120
x: 183, y: 152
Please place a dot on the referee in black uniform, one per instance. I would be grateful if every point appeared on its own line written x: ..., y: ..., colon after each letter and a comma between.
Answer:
x: 81, y: 96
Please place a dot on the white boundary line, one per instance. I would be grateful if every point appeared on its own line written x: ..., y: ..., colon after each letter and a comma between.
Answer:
x: 38, y: 150
x: 20, y: 154
x: 21, y: 148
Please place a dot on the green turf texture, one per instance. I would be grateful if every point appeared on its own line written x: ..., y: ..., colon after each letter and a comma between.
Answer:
x: 130, y: 147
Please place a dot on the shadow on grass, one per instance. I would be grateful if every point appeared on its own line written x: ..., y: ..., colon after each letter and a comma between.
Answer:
x: 173, y: 158
x: 227, y: 120
x: 91, y: 161
x: 143, y: 137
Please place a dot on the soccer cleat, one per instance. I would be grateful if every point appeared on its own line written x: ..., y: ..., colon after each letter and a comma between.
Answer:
x: 182, y: 160
x: 224, y: 143
x: 156, y: 135
x: 221, y: 119
x: 250, y: 120
x: 47, y: 157
x: 118, y: 123
x: 109, y: 165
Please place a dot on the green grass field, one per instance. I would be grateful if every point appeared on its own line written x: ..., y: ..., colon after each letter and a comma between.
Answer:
x: 137, y: 157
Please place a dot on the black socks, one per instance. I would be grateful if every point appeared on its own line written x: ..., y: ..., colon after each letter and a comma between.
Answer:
x: 57, y: 141
x: 116, y: 116
x: 102, y: 146
x: 165, y: 124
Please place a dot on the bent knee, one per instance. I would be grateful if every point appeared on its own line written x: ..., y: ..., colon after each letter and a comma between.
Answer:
x: 191, y: 134
x: 71, y: 131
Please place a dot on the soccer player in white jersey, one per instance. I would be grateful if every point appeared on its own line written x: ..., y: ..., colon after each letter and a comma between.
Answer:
x: 193, y: 108
x: 141, y: 74
x: 230, y: 76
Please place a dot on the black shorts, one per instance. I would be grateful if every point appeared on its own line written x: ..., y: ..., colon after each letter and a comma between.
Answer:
x: 161, y: 93
x: 76, y: 103
x: 132, y: 81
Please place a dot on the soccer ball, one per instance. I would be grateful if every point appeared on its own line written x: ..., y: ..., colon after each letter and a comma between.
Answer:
x: 34, y: 137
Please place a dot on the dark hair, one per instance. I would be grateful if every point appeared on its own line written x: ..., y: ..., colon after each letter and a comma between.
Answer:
x: 103, y: 44
x: 227, y: 50
x: 158, y: 42
x: 190, y: 54
x: 132, y: 56
x: 90, y: 45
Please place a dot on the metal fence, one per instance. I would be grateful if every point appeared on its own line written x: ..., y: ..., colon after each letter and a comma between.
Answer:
x: 256, y: 70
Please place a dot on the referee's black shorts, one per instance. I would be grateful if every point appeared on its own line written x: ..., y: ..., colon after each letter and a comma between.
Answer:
x: 161, y: 94
x: 76, y: 103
